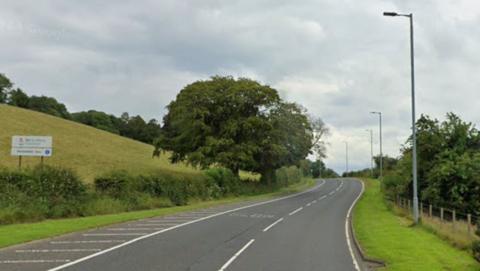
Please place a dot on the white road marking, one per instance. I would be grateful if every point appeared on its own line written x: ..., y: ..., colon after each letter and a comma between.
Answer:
x: 57, y: 250
x: 156, y: 224
x: 347, y: 231
x: 236, y: 255
x: 180, y: 225
x: 168, y: 221
x: 296, y: 211
x: 315, y: 201
x: 87, y: 242
x: 322, y: 197
x: 115, y: 234
x: 331, y: 193
x: 134, y: 229
x: 33, y: 261
x: 273, y: 224
x: 308, y: 204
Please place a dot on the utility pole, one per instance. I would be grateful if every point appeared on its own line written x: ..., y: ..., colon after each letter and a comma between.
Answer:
x: 371, y: 150
x: 381, y: 143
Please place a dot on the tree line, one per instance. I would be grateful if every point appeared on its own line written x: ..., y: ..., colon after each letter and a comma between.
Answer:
x: 134, y: 127
x: 448, y: 165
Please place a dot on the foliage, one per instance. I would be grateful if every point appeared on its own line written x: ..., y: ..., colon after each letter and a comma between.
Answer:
x: 5, y: 85
x: 476, y: 250
x: 448, y: 164
x: 320, y: 131
x: 238, y: 124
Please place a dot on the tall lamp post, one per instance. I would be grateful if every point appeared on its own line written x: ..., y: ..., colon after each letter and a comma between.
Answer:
x: 371, y: 150
x: 346, y: 158
x: 381, y: 143
x: 414, y: 129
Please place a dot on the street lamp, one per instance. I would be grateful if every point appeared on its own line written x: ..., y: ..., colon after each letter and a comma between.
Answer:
x: 346, y: 158
x: 414, y: 129
x: 381, y: 144
x: 371, y: 150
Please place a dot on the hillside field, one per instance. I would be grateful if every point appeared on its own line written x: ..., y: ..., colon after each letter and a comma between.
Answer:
x: 87, y: 150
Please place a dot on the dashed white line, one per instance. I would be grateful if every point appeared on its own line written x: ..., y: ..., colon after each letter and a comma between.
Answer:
x: 33, y: 261
x: 308, y: 204
x: 133, y: 229
x: 315, y: 201
x: 296, y: 211
x: 115, y: 234
x: 331, y: 193
x: 57, y: 250
x: 180, y: 225
x: 322, y: 197
x: 273, y: 224
x: 87, y: 242
x: 236, y: 255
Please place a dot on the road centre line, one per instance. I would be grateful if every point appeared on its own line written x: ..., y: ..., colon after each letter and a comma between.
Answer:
x: 315, y: 201
x: 182, y: 225
x: 230, y: 261
x: 308, y: 204
x: 331, y: 193
x: 322, y: 197
x: 296, y: 211
x: 273, y: 224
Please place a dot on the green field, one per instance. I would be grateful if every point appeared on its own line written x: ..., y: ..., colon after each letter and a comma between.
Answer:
x: 87, y: 150
x: 20, y: 233
x: 391, y: 238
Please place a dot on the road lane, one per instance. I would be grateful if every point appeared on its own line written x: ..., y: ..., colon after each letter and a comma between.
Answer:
x: 311, y: 238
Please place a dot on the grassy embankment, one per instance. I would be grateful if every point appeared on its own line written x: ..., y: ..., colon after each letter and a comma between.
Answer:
x: 391, y: 238
x: 20, y: 233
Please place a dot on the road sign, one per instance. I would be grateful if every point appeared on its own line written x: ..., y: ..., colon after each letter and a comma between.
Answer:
x: 32, y: 146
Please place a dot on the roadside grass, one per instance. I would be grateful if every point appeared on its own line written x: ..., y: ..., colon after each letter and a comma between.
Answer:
x: 391, y: 238
x: 21, y: 233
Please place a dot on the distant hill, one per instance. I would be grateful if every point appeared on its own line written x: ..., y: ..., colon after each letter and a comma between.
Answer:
x: 87, y: 150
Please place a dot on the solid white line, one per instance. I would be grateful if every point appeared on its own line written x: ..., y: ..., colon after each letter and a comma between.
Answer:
x: 57, y: 250
x: 273, y: 224
x: 296, y: 211
x: 33, y: 261
x: 180, y: 225
x: 347, y: 231
x: 236, y: 255
x: 115, y: 234
x: 87, y: 242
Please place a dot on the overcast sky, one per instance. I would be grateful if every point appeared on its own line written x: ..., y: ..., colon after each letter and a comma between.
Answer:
x: 339, y: 58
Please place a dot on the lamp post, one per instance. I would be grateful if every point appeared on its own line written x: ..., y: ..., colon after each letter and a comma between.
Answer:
x: 381, y: 143
x: 414, y: 129
x: 346, y: 158
x: 371, y: 150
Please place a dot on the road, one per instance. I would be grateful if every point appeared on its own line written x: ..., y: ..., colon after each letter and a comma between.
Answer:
x: 306, y: 231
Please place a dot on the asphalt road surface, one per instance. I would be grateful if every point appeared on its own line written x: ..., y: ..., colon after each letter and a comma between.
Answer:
x: 306, y: 231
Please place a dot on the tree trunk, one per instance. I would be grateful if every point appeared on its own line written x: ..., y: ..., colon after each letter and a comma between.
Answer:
x: 268, y: 176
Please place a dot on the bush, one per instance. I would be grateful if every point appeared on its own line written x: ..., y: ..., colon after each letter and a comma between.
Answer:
x: 288, y: 175
x: 225, y: 181
x: 476, y: 250
x: 117, y: 184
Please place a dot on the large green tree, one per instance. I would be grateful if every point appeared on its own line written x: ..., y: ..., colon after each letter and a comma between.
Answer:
x: 236, y: 123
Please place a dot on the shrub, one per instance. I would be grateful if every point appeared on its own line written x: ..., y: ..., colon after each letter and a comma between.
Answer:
x: 476, y: 250
x: 225, y: 180
x: 117, y: 184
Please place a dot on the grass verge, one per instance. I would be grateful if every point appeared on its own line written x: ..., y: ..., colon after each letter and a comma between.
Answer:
x: 21, y: 233
x: 383, y: 235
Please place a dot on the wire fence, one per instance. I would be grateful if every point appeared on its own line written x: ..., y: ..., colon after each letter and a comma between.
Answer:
x: 451, y: 221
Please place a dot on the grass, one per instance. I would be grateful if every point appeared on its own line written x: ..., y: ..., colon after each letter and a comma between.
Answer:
x: 87, y: 150
x: 391, y: 238
x: 21, y: 233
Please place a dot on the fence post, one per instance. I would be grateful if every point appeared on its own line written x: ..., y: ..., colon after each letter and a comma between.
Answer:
x: 430, y: 210
x: 453, y: 219
x: 441, y: 214
x: 469, y: 225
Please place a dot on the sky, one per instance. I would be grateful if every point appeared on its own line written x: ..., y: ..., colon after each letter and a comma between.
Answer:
x: 341, y: 59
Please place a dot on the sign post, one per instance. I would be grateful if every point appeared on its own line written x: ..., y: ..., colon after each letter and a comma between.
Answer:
x: 31, y: 146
